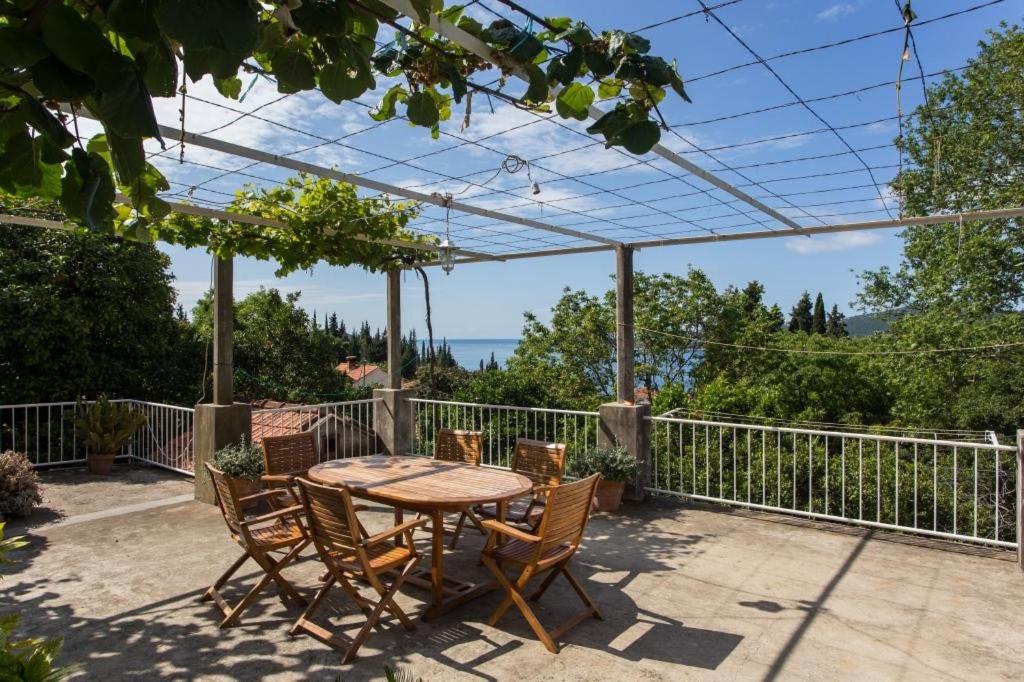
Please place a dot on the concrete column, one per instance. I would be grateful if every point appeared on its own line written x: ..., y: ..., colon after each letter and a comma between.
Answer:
x: 216, y: 426
x: 627, y: 425
x: 393, y: 419
x: 624, y: 336
x: 394, y: 329
x: 222, y: 422
x: 223, y: 331
x: 1020, y: 499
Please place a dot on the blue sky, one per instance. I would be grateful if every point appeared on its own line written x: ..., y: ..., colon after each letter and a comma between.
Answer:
x: 488, y: 299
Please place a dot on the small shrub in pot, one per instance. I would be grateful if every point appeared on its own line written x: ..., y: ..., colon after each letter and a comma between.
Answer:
x: 104, y: 428
x: 616, y: 466
x: 243, y: 461
x: 19, y: 485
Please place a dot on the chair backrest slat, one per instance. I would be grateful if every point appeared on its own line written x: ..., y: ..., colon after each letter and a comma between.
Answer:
x: 227, y: 499
x: 293, y: 453
x: 566, y: 514
x: 453, y: 445
x: 543, y: 463
x: 332, y: 520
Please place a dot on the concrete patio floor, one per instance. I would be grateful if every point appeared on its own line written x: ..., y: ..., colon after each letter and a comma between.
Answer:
x: 688, y: 592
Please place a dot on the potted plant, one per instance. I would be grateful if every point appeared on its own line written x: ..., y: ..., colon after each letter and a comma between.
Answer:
x: 616, y: 467
x: 242, y: 461
x: 105, y: 427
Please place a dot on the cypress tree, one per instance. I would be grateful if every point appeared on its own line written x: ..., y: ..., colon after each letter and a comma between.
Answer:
x: 818, y: 319
x: 836, y: 324
x: 801, y: 316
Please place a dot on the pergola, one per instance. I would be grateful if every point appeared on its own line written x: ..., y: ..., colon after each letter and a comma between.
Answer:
x: 487, y: 234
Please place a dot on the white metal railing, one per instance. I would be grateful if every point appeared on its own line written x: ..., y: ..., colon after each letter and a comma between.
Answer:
x: 502, y: 425
x: 942, y: 488
x: 342, y: 429
x: 48, y: 435
x: 167, y: 439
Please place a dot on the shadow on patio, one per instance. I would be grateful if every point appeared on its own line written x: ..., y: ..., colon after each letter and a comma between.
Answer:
x: 685, y: 592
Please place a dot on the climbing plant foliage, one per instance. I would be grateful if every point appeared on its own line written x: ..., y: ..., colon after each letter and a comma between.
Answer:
x: 111, y: 57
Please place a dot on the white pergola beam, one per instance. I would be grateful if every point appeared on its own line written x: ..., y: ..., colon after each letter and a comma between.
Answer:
x: 358, y: 180
x: 484, y: 51
x: 189, y: 209
x: 968, y: 216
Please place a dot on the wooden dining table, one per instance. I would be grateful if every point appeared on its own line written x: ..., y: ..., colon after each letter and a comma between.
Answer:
x: 432, y: 487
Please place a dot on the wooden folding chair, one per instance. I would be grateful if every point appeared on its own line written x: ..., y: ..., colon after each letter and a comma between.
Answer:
x: 452, y: 445
x: 279, y: 531
x: 544, y: 464
x: 348, y: 555
x: 556, y: 541
x: 284, y: 458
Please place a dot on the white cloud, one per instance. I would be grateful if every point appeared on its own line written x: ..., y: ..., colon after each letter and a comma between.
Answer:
x: 841, y: 241
x: 837, y: 11
x: 190, y: 291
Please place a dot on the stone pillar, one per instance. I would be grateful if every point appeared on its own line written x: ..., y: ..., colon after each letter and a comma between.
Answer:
x: 216, y: 426
x: 627, y: 425
x: 393, y: 419
x: 222, y: 422
x: 625, y: 383
x: 394, y: 329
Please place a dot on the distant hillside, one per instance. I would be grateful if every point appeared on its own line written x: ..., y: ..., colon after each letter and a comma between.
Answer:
x: 865, y: 325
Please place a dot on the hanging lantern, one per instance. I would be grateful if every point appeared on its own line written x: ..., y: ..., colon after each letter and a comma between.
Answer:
x: 447, y: 256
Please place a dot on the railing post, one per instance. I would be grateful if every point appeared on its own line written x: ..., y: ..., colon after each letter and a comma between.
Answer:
x: 222, y: 422
x: 1020, y: 498
x: 393, y: 419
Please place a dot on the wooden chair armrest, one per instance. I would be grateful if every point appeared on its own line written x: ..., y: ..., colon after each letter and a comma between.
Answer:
x: 510, y: 531
x: 392, y: 532
x: 360, y: 507
x: 263, y: 494
x: 294, y: 510
x: 542, y: 489
x: 278, y: 478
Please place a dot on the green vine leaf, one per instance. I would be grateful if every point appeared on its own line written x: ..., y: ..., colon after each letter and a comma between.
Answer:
x: 421, y: 110
x: 217, y: 35
x: 19, y: 48
x: 386, y: 108
x: 87, y: 190
x: 294, y: 70
x: 574, y: 102
x: 609, y: 88
x: 229, y: 87
x: 339, y: 82
x: 122, y: 100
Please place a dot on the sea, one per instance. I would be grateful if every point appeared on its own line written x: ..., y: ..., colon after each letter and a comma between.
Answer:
x: 469, y: 352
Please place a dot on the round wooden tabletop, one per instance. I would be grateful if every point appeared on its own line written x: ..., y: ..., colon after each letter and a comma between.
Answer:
x: 421, y: 483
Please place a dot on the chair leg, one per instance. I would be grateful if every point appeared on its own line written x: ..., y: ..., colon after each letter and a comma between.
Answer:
x: 514, y: 596
x: 214, y: 589
x: 273, y: 568
x: 232, y: 616
x: 581, y: 592
x: 539, y: 592
x: 313, y: 605
x: 458, y: 531
x: 389, y: 596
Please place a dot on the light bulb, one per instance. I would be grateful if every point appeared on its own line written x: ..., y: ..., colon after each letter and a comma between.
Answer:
x: 447, y: 256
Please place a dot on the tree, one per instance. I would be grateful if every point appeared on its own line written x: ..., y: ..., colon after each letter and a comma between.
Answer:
x: 279, y: 353
x: 492, y: 364
x: 818, y: 325
x: 836, y: 324
x: 801, y: 317
x: 966, y: 153
x: 87, y: 314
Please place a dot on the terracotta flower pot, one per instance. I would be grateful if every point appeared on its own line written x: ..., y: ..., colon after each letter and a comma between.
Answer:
x: 100, y: 464
x: 247, y: 486
x: 609, y: 495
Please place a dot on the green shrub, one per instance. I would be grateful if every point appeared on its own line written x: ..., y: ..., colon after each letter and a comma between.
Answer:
x: 613, y: 463
x: 19, y: 485
x: 104, y: 427
x: 243, y: 459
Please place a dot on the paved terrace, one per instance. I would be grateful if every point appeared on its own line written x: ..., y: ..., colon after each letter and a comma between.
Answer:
x: 116, y: 566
